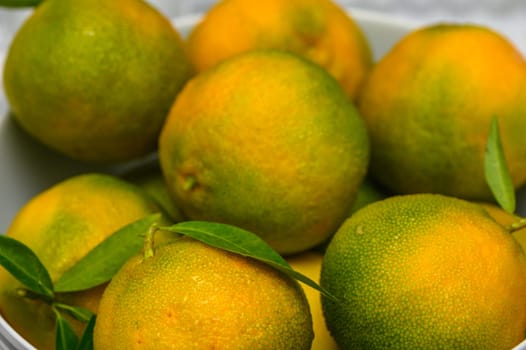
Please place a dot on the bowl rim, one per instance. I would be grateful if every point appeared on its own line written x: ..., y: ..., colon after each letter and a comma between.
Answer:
x: 12, y: 340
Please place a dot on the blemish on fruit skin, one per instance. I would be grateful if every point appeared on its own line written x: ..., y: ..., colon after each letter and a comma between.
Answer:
x: 359, y: 230
x: 89, y: 32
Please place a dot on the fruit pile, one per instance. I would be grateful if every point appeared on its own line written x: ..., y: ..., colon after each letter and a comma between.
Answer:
x: 282, y: 153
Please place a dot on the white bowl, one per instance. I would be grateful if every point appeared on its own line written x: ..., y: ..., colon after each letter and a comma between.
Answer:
x: 27, y: 168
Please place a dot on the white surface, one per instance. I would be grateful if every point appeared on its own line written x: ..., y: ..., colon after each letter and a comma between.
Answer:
x: 27, y: 168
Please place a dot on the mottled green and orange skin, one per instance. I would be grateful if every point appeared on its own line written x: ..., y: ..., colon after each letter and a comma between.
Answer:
x: 61, y: 225
x: 316, y: 29
x: 428, y: 105
x: 421, y: 271
x: 95, y: 79
x: 189, y: 295
x: 267, y: 141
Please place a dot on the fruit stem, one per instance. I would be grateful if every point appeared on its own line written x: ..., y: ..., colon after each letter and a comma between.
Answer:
x: 149, y: 241
x: 189, y: 183
x: 516, y: 226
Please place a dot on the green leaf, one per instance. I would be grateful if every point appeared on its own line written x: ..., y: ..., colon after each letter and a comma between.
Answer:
x: 86, y: 341
x: 25, y: 266
x: 80, y: 313
x: 496, y: 170
x: 65, y: 336
x: 103, y: 261
x: 242, y: 242
x: 19, y: 3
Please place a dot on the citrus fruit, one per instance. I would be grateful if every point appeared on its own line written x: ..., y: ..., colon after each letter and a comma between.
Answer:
x: 95, y: 79
x: 309, y: 264
x: 429, y: 103
x: 189, y: 295
x: 266, y: 141
x: 316, y: 29
x: 61, y: 225
x: 424, y: 271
